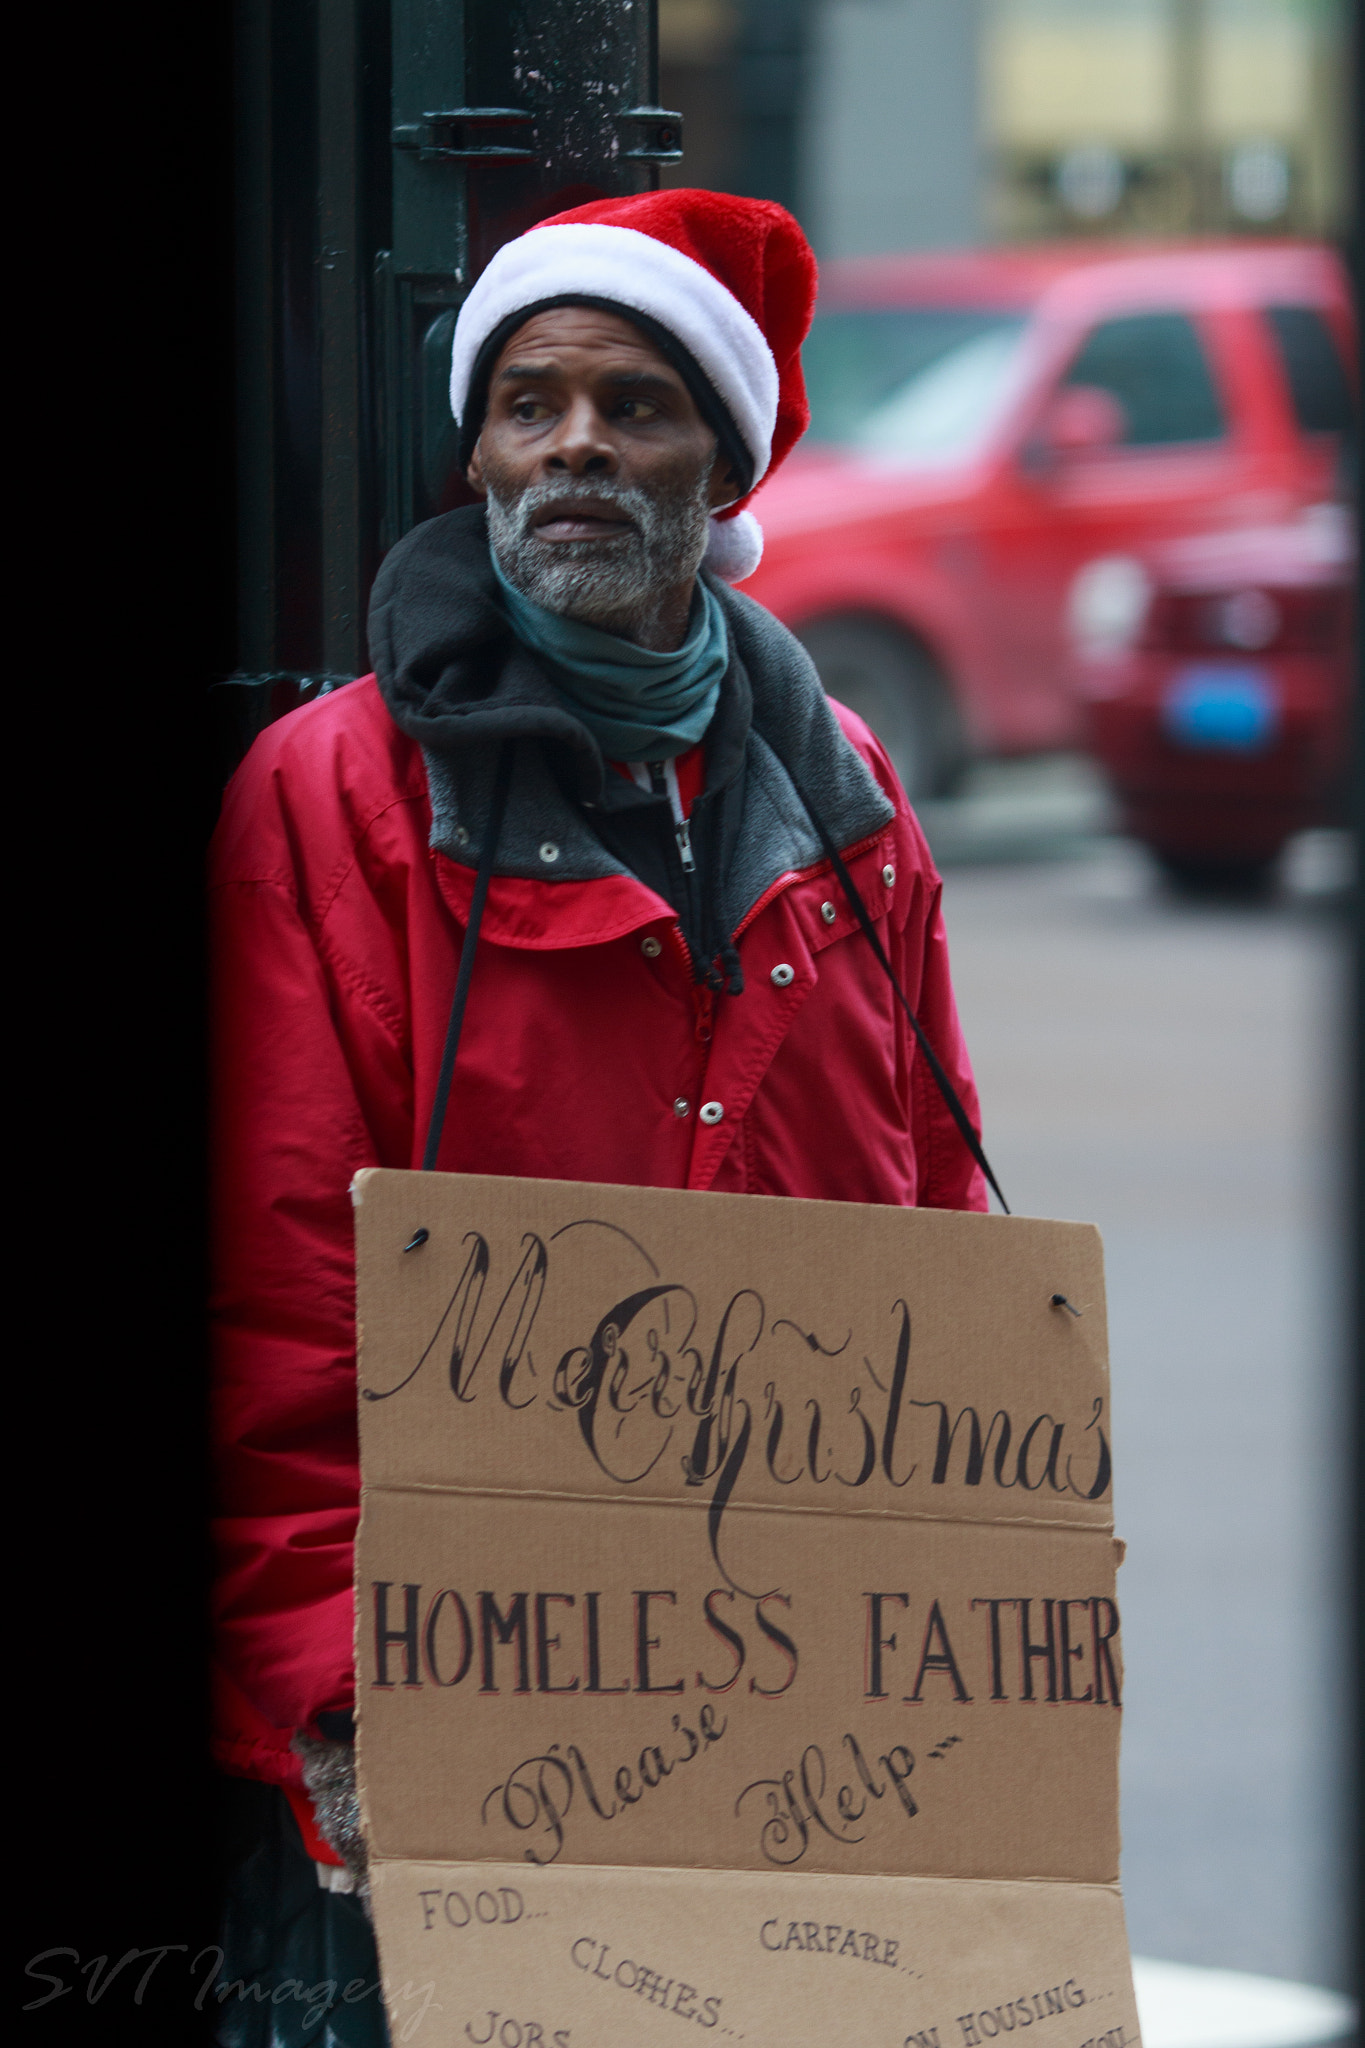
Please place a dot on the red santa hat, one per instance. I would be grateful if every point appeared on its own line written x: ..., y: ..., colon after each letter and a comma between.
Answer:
x: 730, y: 281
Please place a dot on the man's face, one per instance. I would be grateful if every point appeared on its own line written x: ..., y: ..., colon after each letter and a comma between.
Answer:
x: 600, y: 473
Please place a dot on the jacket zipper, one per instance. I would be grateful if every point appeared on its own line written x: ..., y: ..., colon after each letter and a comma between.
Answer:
x: 682, y: 831
x: 703, y: 1000
x: 682, y: 839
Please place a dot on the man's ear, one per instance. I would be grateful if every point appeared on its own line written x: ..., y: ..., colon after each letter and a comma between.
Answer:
x: 474, y: 473
x: 726, y: 483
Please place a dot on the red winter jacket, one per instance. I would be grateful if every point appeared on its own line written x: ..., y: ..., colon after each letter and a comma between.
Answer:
x: 588, y: 1051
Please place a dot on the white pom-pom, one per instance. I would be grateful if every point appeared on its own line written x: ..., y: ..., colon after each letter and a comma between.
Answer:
x: 734, y: 547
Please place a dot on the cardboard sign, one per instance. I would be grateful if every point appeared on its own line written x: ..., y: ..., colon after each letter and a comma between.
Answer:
x: 736, y: 1631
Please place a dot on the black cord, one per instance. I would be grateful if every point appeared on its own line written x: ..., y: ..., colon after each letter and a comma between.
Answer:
x: 501, y: 786
x: 502, y: 783
x: 970, y: 1137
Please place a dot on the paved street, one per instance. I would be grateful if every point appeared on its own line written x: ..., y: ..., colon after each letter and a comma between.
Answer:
x: 1173, y: 1073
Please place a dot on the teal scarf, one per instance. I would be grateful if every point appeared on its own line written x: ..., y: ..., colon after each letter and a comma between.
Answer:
x: 638, y: 705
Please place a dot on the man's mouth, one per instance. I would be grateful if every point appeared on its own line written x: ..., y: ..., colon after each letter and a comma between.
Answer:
x: 581, y: 519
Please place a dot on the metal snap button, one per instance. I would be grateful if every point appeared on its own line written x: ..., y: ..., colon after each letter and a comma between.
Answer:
x: 889, y: 877
x: 651, y: 948
x: 827, y: 912
x: 461, y: 835
x: 549, y: 851
x: 783, y: 976
x: 712, y: 1112
x: 681, y: 1105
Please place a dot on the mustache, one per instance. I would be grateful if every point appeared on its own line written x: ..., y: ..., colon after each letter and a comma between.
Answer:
x: 633, y: 505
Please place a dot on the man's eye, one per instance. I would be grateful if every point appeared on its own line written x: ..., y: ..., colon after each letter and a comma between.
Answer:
x: 636, y: 409
x: 530, y: 410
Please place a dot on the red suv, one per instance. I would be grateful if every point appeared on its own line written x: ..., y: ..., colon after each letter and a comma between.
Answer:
x: 990, y: 429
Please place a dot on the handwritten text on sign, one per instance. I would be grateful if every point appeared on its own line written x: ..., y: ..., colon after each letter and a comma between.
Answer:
x: 706, y: 1544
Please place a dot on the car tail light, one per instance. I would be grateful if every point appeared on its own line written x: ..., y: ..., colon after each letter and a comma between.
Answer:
x: 1253, y: 620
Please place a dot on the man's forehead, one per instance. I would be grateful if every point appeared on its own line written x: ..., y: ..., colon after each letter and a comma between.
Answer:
x: 560, y: 333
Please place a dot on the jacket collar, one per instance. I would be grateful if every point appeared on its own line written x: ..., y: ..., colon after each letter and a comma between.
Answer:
x: 456, y: 681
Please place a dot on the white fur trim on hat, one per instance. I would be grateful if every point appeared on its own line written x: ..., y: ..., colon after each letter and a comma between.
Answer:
x: 641, y: 273
x: 734, y: 547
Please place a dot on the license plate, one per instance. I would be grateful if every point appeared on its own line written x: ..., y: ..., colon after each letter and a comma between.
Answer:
x: 1229, y: 710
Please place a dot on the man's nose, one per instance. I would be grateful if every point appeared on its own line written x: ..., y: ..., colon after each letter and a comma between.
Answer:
x: 581, y: 444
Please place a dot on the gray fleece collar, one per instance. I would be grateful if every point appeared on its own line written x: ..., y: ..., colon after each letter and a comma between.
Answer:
x: 456, y: 681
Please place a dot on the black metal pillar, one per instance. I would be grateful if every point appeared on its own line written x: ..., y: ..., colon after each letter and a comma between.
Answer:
x: 770, y: 89
x: 503, y: 114
x: 386, y: 148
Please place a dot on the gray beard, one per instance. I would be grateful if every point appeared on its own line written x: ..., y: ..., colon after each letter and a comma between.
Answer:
x: 616, y: 585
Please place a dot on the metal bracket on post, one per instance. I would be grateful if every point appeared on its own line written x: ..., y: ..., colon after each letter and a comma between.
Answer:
x: 303, y: 687
x: 464, y: 135
x: 503, y: 111
x: 418, y: 435
x: 653, y: 135
x: 241, y: 706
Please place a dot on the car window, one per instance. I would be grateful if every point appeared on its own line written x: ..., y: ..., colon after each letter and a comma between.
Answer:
x: 1155, y: 366
x: 1313, y: 370
x: 908, y: 381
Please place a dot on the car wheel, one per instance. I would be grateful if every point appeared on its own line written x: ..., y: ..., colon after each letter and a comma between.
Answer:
x: 1248, y: 879
x: 901, y: 693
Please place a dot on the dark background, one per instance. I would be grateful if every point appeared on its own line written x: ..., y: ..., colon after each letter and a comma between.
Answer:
x: 121, y: 615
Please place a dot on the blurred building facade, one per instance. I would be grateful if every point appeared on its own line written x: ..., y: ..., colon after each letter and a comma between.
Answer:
x: 903, y: 124
x: 1166, y: 116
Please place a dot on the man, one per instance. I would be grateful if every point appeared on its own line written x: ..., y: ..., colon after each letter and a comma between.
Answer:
x: 669, y: 983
